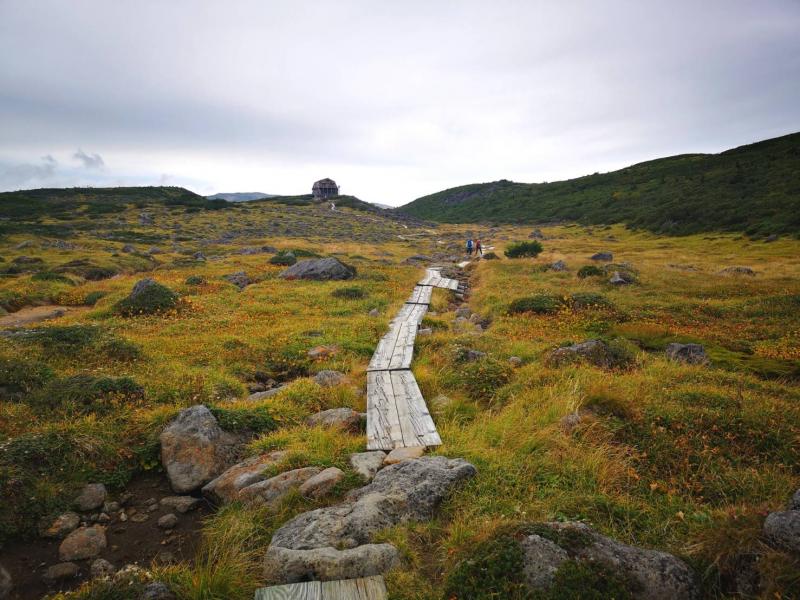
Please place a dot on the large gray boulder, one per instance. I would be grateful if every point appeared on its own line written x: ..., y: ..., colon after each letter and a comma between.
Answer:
x: 271, y: 491
x: 320, y: 269
x: 343, y: 418
x: 655, y: 575
x: 794, y: 503
x: 597, y: 352
x: 408, y: 491
x: 92, y: 496
x: 603, y: 256
x: 195, y: 449
x: 86, y: 542
x: 783, y: 529
x: 61, y: 526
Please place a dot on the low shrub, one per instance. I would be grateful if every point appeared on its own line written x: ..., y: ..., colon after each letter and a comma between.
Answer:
x: 195, y: 280
x: 85, y: 394
x: 482, y: 378
x: 590, y: 271
x: 120, y: 349
x: 490, y: 256
x: 92, y: 298
x: 582, y: 300
x: 150, y: 299
x: 50, y: 276
x: 539, y: 304
x: 98, y: 273
x: 65, y: 340
x: 283, y: 259
x: 529, y: 249
x: 349, y: 293
x: 20, y: 377
x: 257, y: 419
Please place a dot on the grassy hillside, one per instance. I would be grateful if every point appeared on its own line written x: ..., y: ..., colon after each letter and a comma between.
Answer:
x: 754, y: 189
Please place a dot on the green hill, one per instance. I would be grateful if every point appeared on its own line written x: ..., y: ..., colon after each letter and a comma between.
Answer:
x: 753, y: 188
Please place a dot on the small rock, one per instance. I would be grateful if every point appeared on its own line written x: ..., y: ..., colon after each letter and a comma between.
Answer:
x: 270, y: 491
x: 128, y: 249
x: 322, y: 352
x: 473, y: 355
x: 156, y: 591
x: 62, y: 526
x: 182, y: 504
x: 86, y: 542
x: 61, y: 571
x: 103, y: 518
x: 91, y: 497
x: 125, y: 498
x: 150, y: 502
x: 345, y: 418
x: 239, y: 279
x: 139, y: 517
x: 425, y: 331
x: 771, y: 238
x: 400, y: 454
x: 199, y: 256
x: 322, y: 483
x: 794, y: 503
x: 738, y: 271
x: 536, y: 234
x: 367, y: 464
x: 168, y: 521
x: 329, y: 378
x: 155, y: 250
x: 123, y: 516
x: 463, y: 311
x: 603, y: 256
x: 693, y: 354
x: 515, y: 361
x: 783, y: 529
x: 102, y: 568
x: 618, y: 279
x: 374, y: 313
x: 256, y: 396
x: 557, y: 266
x: 111, y: 507
x: 226, y: 487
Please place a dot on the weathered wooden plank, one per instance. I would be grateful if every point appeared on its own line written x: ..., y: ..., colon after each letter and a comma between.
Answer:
x: 365, y: 588
x: 421, y: 295
x: 415, y: 419
x: 403, y: 352
x: 307, y: 590
x: 383, y: 420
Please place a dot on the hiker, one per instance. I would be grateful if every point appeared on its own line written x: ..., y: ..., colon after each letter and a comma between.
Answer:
x: 478, y: 248
x: 469, y: 247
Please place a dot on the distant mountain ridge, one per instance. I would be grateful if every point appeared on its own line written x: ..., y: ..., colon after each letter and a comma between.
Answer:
x: 753, y: 189
x: 240, y: 196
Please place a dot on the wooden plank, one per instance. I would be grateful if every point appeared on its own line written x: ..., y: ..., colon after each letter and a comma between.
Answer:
x: 383, y: 421
x: 415, y: 419
x: 364, y: 588
x: 307, y: 590
x: 420, y: 295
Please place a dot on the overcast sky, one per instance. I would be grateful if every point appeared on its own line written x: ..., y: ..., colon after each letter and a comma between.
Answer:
x: 392, y: 99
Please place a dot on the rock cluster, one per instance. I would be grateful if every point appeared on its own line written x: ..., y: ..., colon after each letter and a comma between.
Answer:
x: 782, y: 528
x: 336, y: 542
x: 321, y: 269
x: 693, y: 354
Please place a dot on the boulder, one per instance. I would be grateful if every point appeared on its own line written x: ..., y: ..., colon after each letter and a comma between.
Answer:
x: 738, y: 271
x: 62, y: 526
x: 322, y: 352
x: 86, y: 542
x: 195, y: 449
x: 654, y: 575
x: 374, y: 313
x: 400, y: 454
x: 157, y: 591
x: 272, y: 490
x: 182, y: 504
x: 783, y: 530
x: 345, y: 418
x: 693, y: 354
x: 596, y: 352
x: 536, y: 234
x: 155, y: 250
x: 145, y: 219
x: 255, y: 396
x: 463, y: 311
x: 60, y: 572
x: 147, y: 297
x: 6, y: 583
x: 102, y: 568
x: 168, y: 521
x: 239, y: 279
x: 320, y: 269
x: 286, y: 565
x: 320, y: 484
x: 91, y: 497
x: 515, y: 361
x: 128, y: 249
x: 620, y: 278
x: 602, y: 256
x: 335, y: 542
x: 557, y: 266
x: 226, y: 487
x: 329, y: 378
x: 199, y: 256
x: 367, y: 464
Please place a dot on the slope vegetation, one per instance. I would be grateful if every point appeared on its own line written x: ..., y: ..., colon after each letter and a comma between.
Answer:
x: 754, y: 189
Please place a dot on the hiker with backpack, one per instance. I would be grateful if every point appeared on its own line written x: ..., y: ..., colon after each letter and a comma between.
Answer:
x: 478, y: 248
x: 469, y: 247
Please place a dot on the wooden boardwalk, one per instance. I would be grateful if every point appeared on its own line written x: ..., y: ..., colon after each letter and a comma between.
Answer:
x: 397, y: 416
x: 365, y: 588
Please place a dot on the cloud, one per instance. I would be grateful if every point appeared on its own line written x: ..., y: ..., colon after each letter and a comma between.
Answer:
x: 20, y: 175
x: 90, y: 161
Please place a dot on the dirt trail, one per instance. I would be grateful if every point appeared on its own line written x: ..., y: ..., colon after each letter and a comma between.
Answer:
x: 34, y: 314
